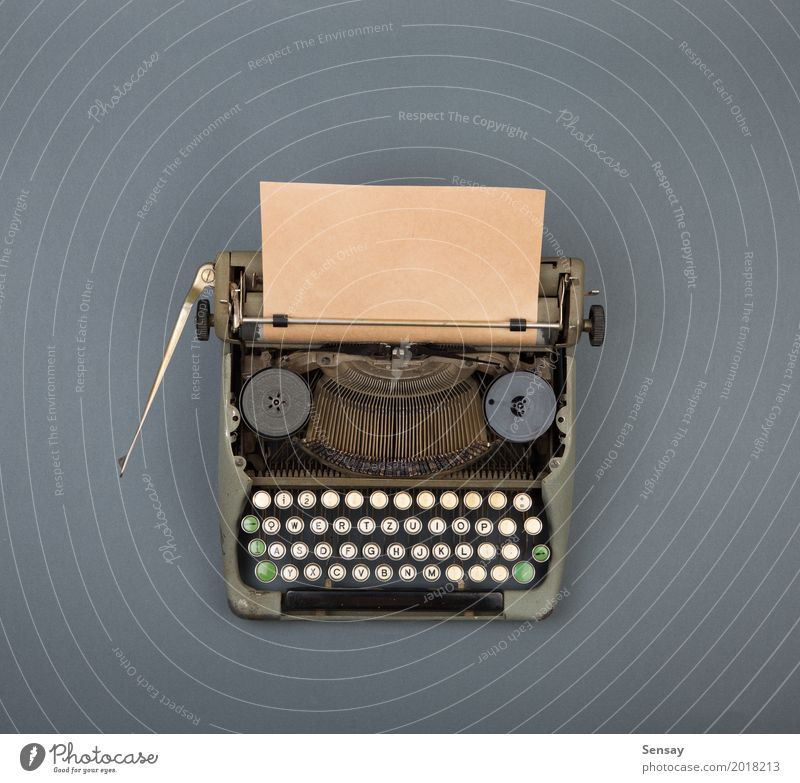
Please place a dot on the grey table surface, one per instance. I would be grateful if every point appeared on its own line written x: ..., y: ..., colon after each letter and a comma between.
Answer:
x: 134, y: 136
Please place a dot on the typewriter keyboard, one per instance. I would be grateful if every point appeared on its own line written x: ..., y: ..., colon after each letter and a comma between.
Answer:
x: 414, y: 540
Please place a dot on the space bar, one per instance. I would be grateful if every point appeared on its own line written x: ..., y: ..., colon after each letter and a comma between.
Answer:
x: 391, y: 600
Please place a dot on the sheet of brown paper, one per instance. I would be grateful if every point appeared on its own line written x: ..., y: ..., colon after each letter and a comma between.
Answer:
x: 409, y: 252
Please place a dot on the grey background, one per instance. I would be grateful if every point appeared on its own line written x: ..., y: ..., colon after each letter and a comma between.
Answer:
x: 682, y: 608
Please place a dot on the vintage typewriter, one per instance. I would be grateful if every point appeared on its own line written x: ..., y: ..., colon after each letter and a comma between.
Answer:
x: 391, y: 478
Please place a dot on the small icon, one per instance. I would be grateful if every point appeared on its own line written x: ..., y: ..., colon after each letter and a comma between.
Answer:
x: 31, y: 756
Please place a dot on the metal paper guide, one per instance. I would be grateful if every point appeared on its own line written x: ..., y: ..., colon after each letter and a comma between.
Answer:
x: 420, y: 263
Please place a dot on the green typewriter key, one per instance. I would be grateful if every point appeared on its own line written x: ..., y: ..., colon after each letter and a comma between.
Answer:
x: 266, y: 571
x: 250, y: 524
x: 523, y: 572
x: 541, y: 553
x: 257, y: 547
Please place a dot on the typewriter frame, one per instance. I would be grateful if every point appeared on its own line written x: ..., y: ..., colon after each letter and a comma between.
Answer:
x: 561, y: 282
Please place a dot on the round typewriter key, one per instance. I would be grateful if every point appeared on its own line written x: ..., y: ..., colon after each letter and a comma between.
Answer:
x: 299, y: 550
x: 477, y: 573
x: 294, y: 525
x: 318, y: 525
x: 541, y: 553
x: 342, y: 525
x: 312, y: 572
x: 383, y: 572
x: 390, y: 526
x: 361, y: 572
x: 283, y: 499
x: 379, y: 499
x: 460, y: 526
x: 455, y: 573
x: 407, y: 572
x: 487, y: 551
x: 266, y: 571
x: 371, y: 550
x: 499, y: 573
x: 483, y: 527
x: 290, y: 572
x: 522, y: 501
x: 261, y: 499
x: 437, y: 526
x: 431, y: 573
x: 330, y: 499
x: 441, y: 551
x: 277, y: 550
x: 271, y: 526
x: 523, y: 572
x: 533, y: 526
x: 497, y: 500
x: 449, y: 500
x: 257, y: 547
x: 507, y: 527
x: 412, y: 526
x: 306, y: 499
x: 426, y: 499
x: 395, y: 551
x: 510, y: 551
x: 473, y: 500
x: 323, y: 550
x: 250, y: 524
x: 419, y: 552
x: 402, y: 500
x: 348, y: 550
x: 354, y: 499
x: 366, y: 526
x: 337, y: 572
x: 463, y: 551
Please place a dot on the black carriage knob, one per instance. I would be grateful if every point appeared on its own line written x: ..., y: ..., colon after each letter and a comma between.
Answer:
x: 203, y: 319
x: 595, y: 325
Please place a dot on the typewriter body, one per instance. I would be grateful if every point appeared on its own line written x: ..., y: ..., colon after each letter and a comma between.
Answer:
x: 393, y: 479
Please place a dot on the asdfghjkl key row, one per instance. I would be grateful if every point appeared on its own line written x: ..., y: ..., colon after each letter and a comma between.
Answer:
x: 440, y: 551
x: 425, y: 500
x: 389, y: 526
x: 267, y: 571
